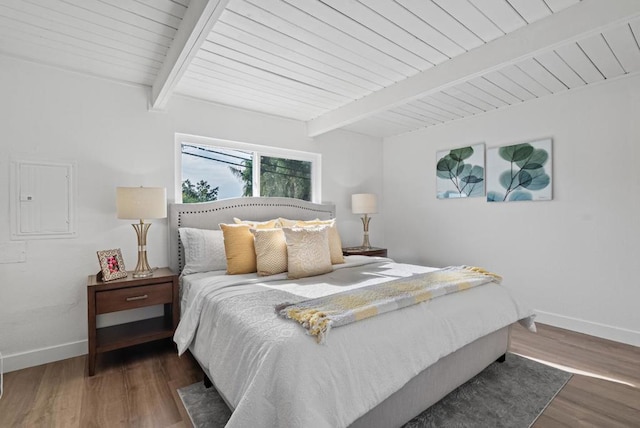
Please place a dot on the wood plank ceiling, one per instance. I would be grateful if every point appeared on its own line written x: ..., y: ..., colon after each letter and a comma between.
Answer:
x: 117, y: 39
x: 326, y: 61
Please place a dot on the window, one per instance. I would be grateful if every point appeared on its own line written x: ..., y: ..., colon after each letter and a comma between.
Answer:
x: 208, y: 169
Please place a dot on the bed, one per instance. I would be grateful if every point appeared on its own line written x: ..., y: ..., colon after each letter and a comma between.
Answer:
x: 379, y: 372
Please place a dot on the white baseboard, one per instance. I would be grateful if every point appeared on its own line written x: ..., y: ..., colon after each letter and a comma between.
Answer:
x: 40, y: 356
x: 604, y: 331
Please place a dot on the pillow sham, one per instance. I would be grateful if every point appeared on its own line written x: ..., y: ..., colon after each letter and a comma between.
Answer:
x: 203, y: 250
x: 271, y: 251
x: 269, y: 224
x: 335, y: 243
x: 307, y: 251
x: 285, y: 222
x: 239, y: 249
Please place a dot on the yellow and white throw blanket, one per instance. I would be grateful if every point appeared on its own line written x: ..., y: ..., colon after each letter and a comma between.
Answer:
x: 319, y: 315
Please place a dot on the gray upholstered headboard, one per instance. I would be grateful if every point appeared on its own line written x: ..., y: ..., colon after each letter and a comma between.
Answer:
x: 208, y: 215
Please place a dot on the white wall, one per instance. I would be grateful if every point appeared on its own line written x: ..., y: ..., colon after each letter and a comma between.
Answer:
x: 573, y: 258
x: 106, y: 129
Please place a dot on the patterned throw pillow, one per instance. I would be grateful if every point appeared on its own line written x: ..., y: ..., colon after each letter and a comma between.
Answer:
x: 335, y: 243
x: 203, y: 250
x: 271, y: 251
x: 307, y: 251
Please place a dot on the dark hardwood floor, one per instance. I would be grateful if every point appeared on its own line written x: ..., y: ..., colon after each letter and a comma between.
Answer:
x: 136, y: 387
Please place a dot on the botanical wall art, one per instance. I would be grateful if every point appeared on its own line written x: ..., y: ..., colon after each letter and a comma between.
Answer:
x: 460, y: 172
x: 521, y: 172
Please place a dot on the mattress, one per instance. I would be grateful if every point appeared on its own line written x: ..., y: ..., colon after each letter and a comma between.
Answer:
x: 273, y: 374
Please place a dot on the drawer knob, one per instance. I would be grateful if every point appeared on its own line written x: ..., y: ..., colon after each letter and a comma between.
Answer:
x: 131, y: 299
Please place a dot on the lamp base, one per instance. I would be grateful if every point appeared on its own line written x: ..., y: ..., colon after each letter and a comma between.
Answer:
x: 142, y: 270
x: 365, y: 240
x: 142, y: 274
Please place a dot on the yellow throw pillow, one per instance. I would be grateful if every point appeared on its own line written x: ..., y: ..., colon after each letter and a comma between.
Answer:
x: 271, y: 251
x: 269, y: 224
x: 239, y: 248
x: 335, y: 243
x: 307, y: 251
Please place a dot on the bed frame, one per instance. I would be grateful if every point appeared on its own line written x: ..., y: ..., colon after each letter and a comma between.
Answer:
x: 421, y: 392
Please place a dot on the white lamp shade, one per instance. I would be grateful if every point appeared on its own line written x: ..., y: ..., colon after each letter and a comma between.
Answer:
x: 141, y: 202
x: 364, y: 203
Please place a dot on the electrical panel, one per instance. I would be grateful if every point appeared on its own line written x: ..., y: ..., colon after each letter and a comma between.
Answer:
x: 42, y: 200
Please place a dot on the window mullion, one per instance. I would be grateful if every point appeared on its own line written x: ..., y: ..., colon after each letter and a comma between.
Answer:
x: 256, y: 174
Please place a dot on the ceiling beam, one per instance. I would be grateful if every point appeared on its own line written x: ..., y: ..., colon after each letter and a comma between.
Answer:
x: 198, y: 20
x: 569, y: 25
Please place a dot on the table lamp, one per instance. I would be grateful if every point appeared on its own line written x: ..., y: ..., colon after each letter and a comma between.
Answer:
x: 364, y: 203
x: 140, y: 203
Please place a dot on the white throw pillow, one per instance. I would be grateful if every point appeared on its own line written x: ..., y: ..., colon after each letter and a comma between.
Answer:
x: 307, y: 251
x: 203, y: 250
x: 335, y: 243
x: 271, y: 251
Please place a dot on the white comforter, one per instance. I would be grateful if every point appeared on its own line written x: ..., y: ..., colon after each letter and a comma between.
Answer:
x: 274, y: 375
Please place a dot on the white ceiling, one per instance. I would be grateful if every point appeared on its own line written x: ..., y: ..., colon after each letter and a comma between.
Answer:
x: 379, y: 67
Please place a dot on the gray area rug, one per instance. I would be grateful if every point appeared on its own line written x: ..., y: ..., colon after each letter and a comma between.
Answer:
x: 510, y: 394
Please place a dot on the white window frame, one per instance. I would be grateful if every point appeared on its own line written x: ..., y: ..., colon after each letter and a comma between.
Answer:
x: 257, y: 150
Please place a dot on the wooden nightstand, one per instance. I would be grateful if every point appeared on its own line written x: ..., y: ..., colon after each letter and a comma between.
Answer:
x: 359, y: 251
x: 131, y: 293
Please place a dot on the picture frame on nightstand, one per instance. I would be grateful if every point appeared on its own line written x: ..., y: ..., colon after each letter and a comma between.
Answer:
x: 111, y: 265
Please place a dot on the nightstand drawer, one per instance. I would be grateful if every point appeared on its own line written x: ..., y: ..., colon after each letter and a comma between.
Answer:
x: 133, y: 297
